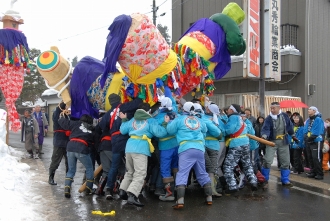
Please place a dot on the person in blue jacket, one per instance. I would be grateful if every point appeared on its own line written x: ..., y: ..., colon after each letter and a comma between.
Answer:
x: 141, y: 129
x: 79, y: 148
x: 189, y: 131
x: 212, y: 145
x: 239, y: 150
x: 297, y: 146
x: 276, y: 128
x: 313, y: 136
x: 168, y: 149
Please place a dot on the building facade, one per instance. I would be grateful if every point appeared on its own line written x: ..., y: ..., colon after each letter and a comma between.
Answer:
x: 305, y: 24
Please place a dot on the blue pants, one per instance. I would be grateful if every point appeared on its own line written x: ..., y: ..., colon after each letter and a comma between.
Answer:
x: 116, y: 164
x: 192, y: 158
x: 86, y: 160
x: 168, y: 161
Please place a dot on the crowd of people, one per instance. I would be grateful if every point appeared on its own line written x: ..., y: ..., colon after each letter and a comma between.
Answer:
x: 176, y: 142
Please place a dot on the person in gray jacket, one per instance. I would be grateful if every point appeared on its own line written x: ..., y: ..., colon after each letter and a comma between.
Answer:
x: 30, y: 130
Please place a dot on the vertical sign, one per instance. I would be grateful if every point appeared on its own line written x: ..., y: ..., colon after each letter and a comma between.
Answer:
x: 273, y: 42
x: 251, y: 62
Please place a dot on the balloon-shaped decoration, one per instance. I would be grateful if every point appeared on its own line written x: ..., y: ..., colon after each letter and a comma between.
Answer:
x: 204, y: 51
x: 142, y: 52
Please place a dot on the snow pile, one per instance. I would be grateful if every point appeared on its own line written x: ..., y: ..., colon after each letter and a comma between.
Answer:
x: 290, y: 49
x: 49, y: 92
x: 15, y: 203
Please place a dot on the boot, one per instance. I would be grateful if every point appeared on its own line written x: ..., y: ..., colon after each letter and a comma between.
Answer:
x: 36, y: 156
x: 67, y: 187
x: 180, y: 191
x: 133, y: 200
x: 208, y: 193
x: 84, y: 178
x: 30, y: 153
x: 40, y: 149
x: 213, y: 185
x: 265, y: 172
x: 123, y: 194
x: 51, y: 178
x: 109, y: 194
x: 100, y: 187
x: 89, y: 187
x: 218, y: 187
x: 285, y: 173
x: 169, y: 195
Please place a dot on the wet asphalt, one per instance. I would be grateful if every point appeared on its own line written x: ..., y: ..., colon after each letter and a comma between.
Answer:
x: 302, y: 202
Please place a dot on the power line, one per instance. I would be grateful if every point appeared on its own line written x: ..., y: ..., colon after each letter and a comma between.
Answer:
x: 162, y: 3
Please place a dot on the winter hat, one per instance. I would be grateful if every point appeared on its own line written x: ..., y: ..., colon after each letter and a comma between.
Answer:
x: 235, y: 107
x: 198, y: 108
x: 188, y: 107
x: 314, y: 109
x: 215, y: 111
x: 166, y: 103
x: 114, y: 98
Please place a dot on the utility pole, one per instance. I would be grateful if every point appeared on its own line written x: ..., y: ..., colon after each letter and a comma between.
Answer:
x: 262, y: 60
x: 154, y: 11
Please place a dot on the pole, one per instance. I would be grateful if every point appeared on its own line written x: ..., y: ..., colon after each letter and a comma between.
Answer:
x: 262, y: 61
x: 154, y: 10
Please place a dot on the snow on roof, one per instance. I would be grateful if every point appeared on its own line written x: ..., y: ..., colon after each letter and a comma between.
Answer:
x: 49, y: 92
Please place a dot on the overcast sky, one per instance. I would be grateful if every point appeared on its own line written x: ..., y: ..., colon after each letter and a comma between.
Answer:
x: 64, y: 23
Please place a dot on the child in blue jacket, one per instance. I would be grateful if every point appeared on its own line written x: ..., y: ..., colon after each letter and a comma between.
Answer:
x: 189, y: 131
x: 298, y: 145
x: 168, y: 149
x: 141, y: 129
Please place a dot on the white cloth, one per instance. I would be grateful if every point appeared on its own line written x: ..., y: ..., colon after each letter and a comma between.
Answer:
x: 275, y: 116
x: 197, y: 106
x: 215, y: 111
x: 233, y: 108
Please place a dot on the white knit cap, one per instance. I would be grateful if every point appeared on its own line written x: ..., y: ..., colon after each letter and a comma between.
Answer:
x: 215, y: 111
x: 166, y: 103
x: 187, y: 106
x: 314, y: 109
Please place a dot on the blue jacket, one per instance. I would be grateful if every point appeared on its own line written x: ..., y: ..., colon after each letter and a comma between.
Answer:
x: 233, y: 125
x: 213, y: 133
x: 267, y: 128
x: 141, y: 124
x: 299, y: 133
x: 165, y: 142
x: 188, y: 131
x: 223, y: 119
x: 317, y: 128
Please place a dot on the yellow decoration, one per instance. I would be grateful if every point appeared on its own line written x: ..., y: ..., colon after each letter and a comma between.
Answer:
x: 198, y: 72
x: 235, y: 12
x: 98, y: 212
x: 114, y: 87
x: 199, y: 48
x: 166, y: 67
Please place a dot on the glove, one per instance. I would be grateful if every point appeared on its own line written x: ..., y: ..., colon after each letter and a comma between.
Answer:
x: 295, y: 139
